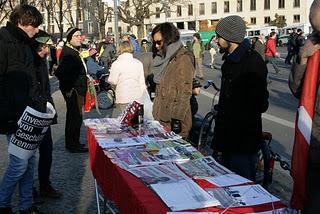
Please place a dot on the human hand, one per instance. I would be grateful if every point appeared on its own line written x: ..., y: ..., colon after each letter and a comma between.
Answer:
x: 175, y: 125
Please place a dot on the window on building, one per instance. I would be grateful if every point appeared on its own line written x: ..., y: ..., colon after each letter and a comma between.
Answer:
x: 120, y: 30
x: 267, y: 4
x: 190, y: 9
x: 253, y: 5
x: 281, y: 4
x: 51, y: 28
x: 253, y: 20
x: 90, y: 27
x: 128, y: 29
x: 296, y: 18
x: 86, y: 15
x: 201, y: 9
x: 191, y: 25
x: 147, y: 13
x: 157, y: 12
x: 110, y: 18
x: 179, y: 12
x: 109, y: 30
x: 168, y: 12
x: 267, y: 19
x: 226, y: 7
x: 239, y: 5
x: 213, y: 7
x: 296, y: 3
x: 80, y: 15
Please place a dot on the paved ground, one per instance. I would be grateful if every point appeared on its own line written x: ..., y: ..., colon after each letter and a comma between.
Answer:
x: 72, y: 176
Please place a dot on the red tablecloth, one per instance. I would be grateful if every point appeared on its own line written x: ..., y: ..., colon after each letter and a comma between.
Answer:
x: 132, y: 196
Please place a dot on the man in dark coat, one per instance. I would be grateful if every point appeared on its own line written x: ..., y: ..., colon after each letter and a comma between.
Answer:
x: 19, y: 88
x: 243, y: 98
x: 71, y: 73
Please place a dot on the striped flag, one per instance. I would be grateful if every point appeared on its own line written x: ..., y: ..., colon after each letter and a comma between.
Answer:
x: 303, y: 131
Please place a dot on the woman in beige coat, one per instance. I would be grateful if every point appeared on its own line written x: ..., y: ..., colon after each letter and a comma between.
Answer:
x: 173, y: 69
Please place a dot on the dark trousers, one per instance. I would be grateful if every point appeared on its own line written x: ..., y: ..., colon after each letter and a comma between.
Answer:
x: 73, y: 119
x: 289, y: 57
x: 45, y: 159
x: 242, y: 164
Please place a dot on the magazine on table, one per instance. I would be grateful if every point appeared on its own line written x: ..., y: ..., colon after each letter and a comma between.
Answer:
x: 103, y: 123
x: 163, y: 173
x: 204, y: 167
x: 240, y: 196
x: 184, y: 195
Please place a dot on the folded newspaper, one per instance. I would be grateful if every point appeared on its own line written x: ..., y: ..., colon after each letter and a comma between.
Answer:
x: 32, y: 126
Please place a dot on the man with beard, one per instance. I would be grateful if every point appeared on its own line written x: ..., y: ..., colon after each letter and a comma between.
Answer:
x: 243, y: 98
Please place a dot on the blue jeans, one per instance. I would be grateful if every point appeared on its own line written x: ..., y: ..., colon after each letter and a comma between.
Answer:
x: 19, y: 172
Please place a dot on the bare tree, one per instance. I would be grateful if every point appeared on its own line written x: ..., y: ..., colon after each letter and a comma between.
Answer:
x: 6, y: 6
x: 99, y: 13
x: 134, y: 12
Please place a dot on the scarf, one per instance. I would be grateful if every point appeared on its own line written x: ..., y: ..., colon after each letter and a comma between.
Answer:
x: 303, y: 130
x: 159, y: 62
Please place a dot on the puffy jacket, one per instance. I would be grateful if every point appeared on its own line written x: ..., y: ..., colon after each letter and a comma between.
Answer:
x: 243, y: 98
x: 19, y: 83
x: 271, y: 48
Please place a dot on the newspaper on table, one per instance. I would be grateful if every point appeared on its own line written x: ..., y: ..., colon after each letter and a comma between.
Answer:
x: 184, y: 195
x: 103, y: 123
x: 240, y: 196
x: 32, y: 126
x: 209, y: 169
x: 164, y: 173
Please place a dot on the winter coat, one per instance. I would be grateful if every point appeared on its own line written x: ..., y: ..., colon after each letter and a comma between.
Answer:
x: 174, y: 91
x: 243, y: 98
x: 19, y: 84
x: 271, y: 48
x: 71, y: 72
x: 260, y: 48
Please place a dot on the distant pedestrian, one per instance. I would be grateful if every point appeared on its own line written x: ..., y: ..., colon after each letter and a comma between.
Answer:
x: 259, y: 46
x: 197, y: 49
x: 196, y: 122
x: 126, y: 73
x: 291, y: 47
x: 213, y: 51
x: 173, y: 69
x: 19, y: 89
x: 243, y: 99
x: 107, y: 53
x: 271, y: 51
x: 41, y: 44
x: 72, y: 75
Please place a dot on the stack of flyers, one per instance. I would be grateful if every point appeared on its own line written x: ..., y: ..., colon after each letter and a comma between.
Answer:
x: 102, y: 123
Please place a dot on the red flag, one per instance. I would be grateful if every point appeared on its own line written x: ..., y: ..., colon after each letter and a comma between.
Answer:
x: 303, y: 130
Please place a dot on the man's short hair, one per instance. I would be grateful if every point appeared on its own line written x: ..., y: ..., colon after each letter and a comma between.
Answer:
x: 26, y: 15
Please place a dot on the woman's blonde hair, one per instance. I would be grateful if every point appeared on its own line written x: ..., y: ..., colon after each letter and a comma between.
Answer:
x: 125, y: 47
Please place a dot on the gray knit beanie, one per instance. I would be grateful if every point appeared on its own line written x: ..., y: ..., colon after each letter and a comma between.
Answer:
x: 232, y: 29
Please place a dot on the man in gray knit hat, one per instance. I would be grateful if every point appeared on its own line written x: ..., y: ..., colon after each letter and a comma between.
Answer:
x: 243, y: 98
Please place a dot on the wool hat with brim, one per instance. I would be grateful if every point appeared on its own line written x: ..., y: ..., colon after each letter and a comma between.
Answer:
x: 232, y: 29
x: 43, y: 37
x: 70, y: 32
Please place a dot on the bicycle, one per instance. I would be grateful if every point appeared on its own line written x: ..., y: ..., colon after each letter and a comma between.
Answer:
x: 105, y: 92
x: 266, y: 156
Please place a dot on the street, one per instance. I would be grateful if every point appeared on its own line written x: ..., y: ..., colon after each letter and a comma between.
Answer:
x: 71, y: 173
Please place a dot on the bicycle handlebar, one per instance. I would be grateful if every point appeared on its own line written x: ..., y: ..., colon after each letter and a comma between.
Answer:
x: 211, y: 83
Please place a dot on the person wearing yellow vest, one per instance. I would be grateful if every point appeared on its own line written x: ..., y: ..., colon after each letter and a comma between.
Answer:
x: 71, y: 73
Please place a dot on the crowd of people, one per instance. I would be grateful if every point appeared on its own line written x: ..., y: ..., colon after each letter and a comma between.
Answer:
x: 167, y: 70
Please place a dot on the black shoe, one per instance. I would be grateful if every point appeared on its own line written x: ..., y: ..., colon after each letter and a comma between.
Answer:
x: 49, y: 192
x: 6, y: 210
x: 32, y: 210
x: 78, y: 149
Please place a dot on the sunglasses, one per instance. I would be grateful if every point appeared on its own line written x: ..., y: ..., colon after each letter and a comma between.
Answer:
x: 158, y: 42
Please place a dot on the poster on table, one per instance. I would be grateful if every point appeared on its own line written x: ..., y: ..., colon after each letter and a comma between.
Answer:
x: 32, y: 127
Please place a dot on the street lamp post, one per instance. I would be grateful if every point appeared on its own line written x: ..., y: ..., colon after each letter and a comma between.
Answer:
x: 116, y: 23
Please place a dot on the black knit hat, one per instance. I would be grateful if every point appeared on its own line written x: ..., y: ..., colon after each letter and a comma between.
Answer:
x: 232, y: 29
x: 70, y: 32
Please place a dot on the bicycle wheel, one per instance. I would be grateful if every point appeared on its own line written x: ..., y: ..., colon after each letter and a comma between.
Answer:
x: 206, y: 134
x: 106, y: 99
x: 264, y: 170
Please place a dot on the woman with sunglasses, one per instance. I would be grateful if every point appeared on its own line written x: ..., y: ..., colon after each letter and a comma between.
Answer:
x: 173, y: 70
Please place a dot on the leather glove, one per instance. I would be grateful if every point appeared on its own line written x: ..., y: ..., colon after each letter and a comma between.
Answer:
x: 175, y: 125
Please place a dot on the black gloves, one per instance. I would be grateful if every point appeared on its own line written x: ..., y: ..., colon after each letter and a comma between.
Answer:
x: 175, y: 125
